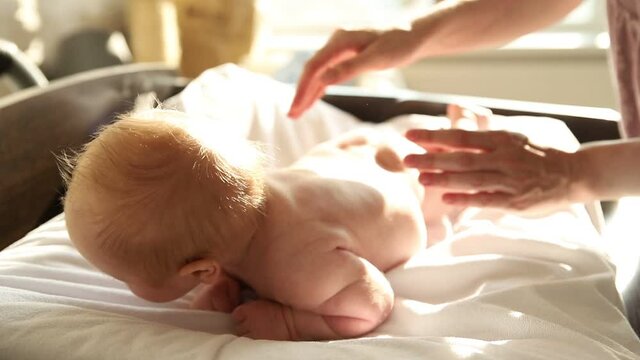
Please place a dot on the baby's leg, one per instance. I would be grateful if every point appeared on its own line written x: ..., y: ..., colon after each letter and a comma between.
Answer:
x: 363, y: 300
x: 263, y: 319
x: 269, y: 320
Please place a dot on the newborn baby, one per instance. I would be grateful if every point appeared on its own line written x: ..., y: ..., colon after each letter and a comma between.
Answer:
x: 165, y: 202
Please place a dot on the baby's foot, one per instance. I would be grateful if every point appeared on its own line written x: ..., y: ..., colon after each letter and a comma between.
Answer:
x: 262, y: 319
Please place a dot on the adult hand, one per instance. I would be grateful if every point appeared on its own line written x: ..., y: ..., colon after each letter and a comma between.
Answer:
x: 348, y: 54
x: 492, y: 169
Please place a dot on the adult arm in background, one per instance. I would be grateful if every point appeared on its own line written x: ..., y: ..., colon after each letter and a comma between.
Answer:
x: 452, y: 26
x: 503, y: 169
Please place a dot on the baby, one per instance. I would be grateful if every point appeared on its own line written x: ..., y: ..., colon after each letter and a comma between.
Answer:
x: 165, y: 202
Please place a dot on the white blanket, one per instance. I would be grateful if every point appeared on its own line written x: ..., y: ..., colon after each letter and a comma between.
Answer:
x: 504, y: 286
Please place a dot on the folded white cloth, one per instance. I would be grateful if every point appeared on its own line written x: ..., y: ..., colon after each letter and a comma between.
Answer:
x: 504, y: 286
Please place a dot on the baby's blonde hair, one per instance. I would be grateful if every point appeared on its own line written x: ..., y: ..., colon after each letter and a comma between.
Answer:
x: 160, y: 188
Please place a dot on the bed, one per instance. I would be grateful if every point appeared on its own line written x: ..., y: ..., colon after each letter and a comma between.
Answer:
x: 504, y: 286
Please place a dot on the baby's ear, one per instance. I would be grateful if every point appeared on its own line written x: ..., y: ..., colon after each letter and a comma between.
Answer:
x: 206, y: 270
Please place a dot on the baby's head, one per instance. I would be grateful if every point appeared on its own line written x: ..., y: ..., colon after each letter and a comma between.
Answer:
x: 162, y: 202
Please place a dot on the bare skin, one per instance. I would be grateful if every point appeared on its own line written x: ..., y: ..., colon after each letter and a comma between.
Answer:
x: 504, y: 170
x: 335, y: 222
x: 451, y: 27
x: 484, y: 169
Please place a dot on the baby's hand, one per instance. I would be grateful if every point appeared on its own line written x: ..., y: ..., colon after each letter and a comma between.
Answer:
x: 263, y: 319
x: 223, y: 295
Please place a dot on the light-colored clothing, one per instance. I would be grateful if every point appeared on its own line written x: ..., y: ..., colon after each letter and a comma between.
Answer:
x: 624, y: 30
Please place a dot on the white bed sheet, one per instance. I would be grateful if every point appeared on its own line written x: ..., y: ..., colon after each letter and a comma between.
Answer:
x: 505, y: 286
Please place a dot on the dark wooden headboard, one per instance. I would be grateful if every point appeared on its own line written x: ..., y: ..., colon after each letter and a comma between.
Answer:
x: 37, y: 123
x: 586, y: 123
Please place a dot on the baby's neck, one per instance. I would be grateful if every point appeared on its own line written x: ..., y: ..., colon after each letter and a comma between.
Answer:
x: 249, y: 260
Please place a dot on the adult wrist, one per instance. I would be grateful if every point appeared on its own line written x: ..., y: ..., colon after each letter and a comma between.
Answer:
x: 422, y: 30
x: 581, y: 179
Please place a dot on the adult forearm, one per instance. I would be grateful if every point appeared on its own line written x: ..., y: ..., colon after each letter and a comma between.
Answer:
x: 607, y: 170
x: 455, y: 26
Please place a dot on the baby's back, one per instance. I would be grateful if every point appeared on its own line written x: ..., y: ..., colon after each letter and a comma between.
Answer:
x: 340, y: 190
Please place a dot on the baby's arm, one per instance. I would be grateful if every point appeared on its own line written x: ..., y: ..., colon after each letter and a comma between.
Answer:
x: 335, y: 294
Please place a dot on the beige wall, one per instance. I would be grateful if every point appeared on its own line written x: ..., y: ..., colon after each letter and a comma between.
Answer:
x: 572, y: 76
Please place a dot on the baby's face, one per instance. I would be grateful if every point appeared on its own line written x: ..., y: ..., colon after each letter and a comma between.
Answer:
x: 155, y: 290
x: 171, y: 289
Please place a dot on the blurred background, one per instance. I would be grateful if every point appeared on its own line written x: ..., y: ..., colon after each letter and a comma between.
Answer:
x: 564, y: 64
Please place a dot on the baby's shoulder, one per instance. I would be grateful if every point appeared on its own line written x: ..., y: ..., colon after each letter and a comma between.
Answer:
x: 306, y: 187
x: 338, y: 203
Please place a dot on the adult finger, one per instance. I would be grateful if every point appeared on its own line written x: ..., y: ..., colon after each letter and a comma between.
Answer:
x: 484, y: 181
x: 341, y: 46
x: 451, y: 161
x: 315, y: 91
x: 367, y: 60
x: 310, y: 80
x: 480, y: 199
x: 463, y: 139
x: 454, y: 113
